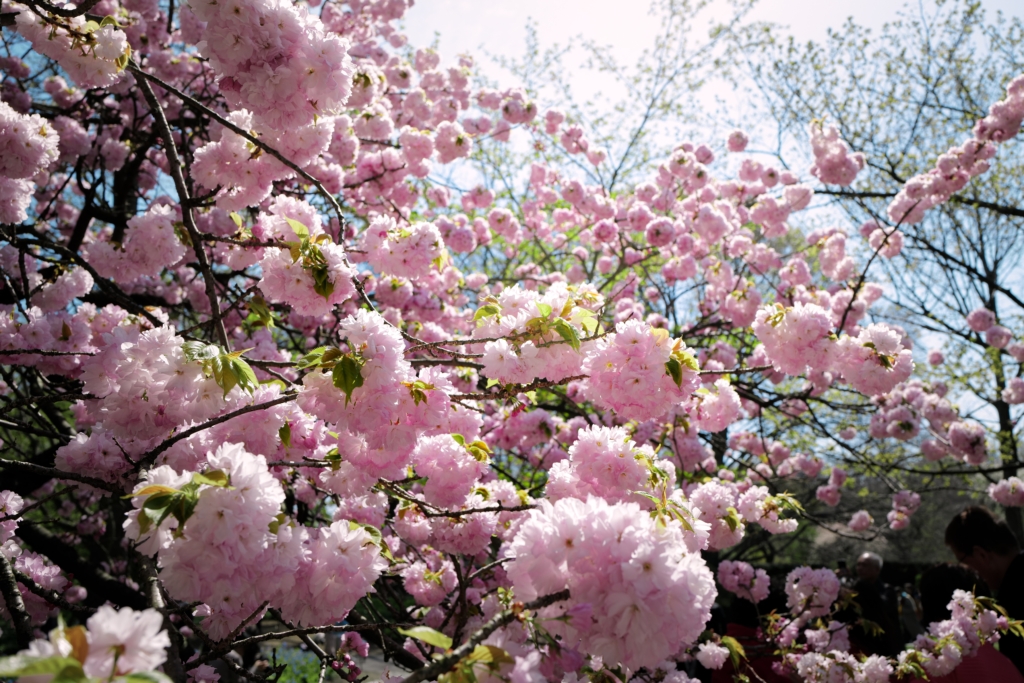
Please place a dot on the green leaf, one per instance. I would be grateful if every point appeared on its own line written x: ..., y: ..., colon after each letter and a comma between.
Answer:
x: 244, y: 375
x: 211, y: 478
x: 347, y: 375
x: 300, y: 229
x: 568, y: 333
x: 199, y: 351
x: 236, y: 218
x: 285, y: 433
x: 733, y: 519
x: 150, y: 490
x: 313, y: 358
x: 487, y: 311
x: 428, y: 636
x: 673, y: 368
x: 259, y: 309
x: 65, y: 668
x: 686, y: 358
x: 122, y: 61
x: 545, y: 310
x: 736, y: 651
x: 459, y: 439
x: 492, y: 382
x: 489, y: 654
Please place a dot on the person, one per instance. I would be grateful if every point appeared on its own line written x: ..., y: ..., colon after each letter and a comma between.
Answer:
x: 879, y: 603
x: 910, y: 613
x: 937, y: 586
x: 987, y: 545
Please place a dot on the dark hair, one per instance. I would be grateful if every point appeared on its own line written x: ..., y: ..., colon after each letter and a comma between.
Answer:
x: 938, y: 584
x: 976, y: 526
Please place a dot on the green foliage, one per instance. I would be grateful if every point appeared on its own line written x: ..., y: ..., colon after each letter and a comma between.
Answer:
x: 300, y: 666
x: 163, y: 501
x: 227, y: 369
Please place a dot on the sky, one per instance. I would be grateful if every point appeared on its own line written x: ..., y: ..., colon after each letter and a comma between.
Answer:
x: 498, y: 26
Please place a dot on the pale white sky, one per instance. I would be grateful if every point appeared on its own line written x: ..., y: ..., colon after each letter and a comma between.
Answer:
x: 498, y: 26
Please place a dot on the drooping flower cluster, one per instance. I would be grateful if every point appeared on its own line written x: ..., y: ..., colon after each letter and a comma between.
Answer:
x: 604, y: 462
x: 949, y: 642
x: 1008, y: 492
x: 834, y: 164
x: 542, y: 333
x: 645, y: 595
x: 93, y: 55
x: 904, y: 504
x: 275, y: 59
x: 408, y: 251
x: 28, y: 145
x: 113, y: 643
x: 811, y: 592
x: 231, y: 556
x: 639, y: 371
x: 743, y: 580
x: 794, y: 338
x: 860, y: 521
x: 150, y: 245
x: 954, y: 169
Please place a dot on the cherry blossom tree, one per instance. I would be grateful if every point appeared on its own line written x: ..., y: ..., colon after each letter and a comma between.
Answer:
x: 271, y: 370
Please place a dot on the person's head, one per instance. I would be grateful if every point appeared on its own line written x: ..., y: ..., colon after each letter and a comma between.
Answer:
x: 938, y: 584
x: 983, y: 543
x: 869, y: 566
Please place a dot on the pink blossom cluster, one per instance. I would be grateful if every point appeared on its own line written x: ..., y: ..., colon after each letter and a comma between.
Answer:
x: 900, y: 411
x: 715, y: 503
x: 873, y: 360
x: 239, y: 169
x: 10, y: 505
x: 294, y: 281
x: 628, y: 371
x: 452, y: 471
x: 840, y: 667
x: 150, y: 245
x: 230, y: 557
x: 715, y: 411
x: 954, y: 169
x: 604, y: 462
x: 984, y: 320
x: 380, y: 421
x: 811, y: 592
x: 1008, y: 492
x: 149, y: 387
x: 743, y: 580
x: 408, y: 250
x: 949, y: 642
x: 275, y: 60
x: 1014, y: 391
x: 887, y: 242
x: 904, y: 504
x: 120, y: 642
x: 532, y: 345
x: 636, y: 594
x: 794, y: 338
x: 429, y: 583
x: 833, y: 162
x: 28, y: 145
x: 755, y: 504
x: 91, y: 63
x: 860, y: 521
